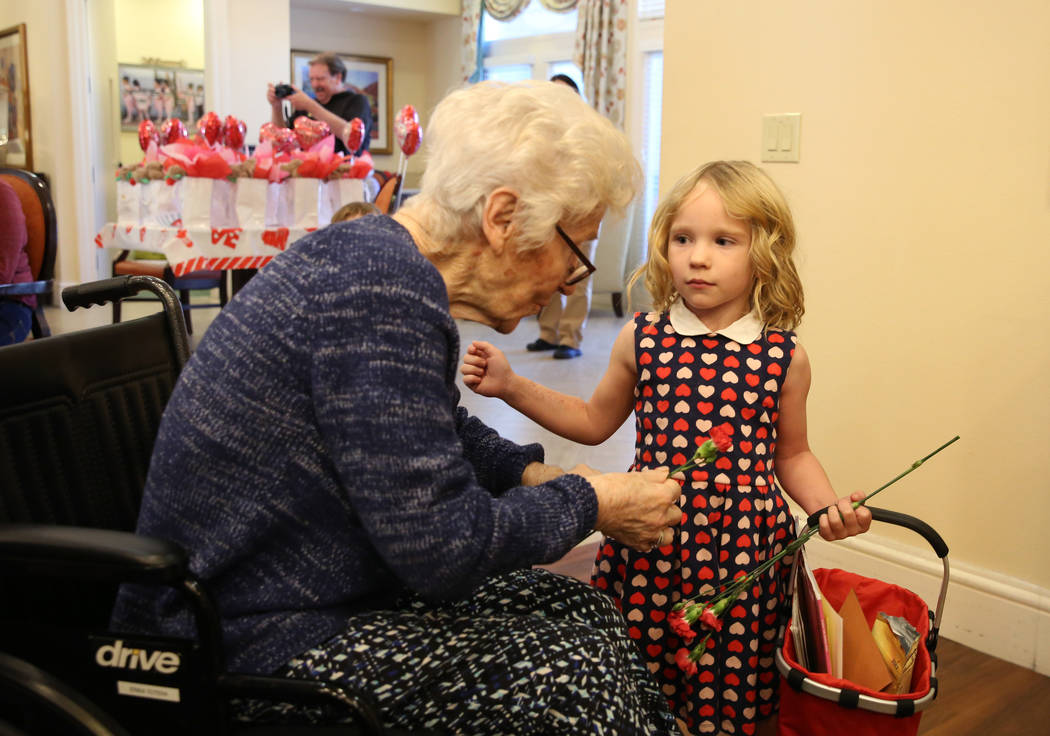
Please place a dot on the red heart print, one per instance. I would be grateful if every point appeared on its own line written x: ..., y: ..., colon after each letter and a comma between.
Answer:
x: 707, y: 373
x: 663, y: 372
x: 667, y: 342
x: 683, y: 390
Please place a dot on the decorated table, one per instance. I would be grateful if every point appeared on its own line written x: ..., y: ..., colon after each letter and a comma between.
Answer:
x: 199, y: 246
x: 205, y: 205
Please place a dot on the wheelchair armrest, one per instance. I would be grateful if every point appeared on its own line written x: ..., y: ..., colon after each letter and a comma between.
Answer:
x: 97, y: 554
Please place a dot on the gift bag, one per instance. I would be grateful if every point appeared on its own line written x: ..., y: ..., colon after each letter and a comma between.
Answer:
x: 196, y: 202
x: 165, y: 208
x: 277, y: 204
x: 251, y: 202
x: 223, y: 203
x: 336, y: 193
x: 304, y: 202
x: 129, y: 200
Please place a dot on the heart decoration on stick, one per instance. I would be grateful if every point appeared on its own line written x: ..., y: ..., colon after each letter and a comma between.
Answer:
x: 210, y: 127
x: 406, y: 127
x: 148, y: 132
x: 355, y: 135
x: 233, y: 131
x: 171, y: 131
x: 286, y: 140
x: 310, y: 132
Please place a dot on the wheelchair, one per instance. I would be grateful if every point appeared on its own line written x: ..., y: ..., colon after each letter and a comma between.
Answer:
x: 79, y: 413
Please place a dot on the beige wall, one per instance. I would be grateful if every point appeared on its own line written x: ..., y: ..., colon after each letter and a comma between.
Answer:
x: 922, y: 200
x: 49, y: 100
x: 139, y: 36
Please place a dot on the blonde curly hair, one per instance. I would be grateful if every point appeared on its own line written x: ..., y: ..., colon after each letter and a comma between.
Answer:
x: 749, y: 194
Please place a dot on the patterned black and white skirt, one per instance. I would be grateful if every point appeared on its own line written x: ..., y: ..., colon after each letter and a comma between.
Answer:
x: 529, y: 652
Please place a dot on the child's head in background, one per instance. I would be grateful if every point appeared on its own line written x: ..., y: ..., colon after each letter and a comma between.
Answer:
x: 752, y: 202
x: 353, y: 210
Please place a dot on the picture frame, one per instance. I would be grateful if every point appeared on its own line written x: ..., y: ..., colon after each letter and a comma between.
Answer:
x: 16, y: 144
x: 157, y: 92
x: 372, y: 76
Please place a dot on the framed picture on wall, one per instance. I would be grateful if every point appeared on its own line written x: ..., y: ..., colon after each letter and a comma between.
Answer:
x: 16, y: 146
x: 372, y: 76
x: 154, y: 92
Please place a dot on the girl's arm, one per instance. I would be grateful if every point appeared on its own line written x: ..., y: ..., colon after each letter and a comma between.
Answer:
x: 486, y: 371
x: 798, y: 469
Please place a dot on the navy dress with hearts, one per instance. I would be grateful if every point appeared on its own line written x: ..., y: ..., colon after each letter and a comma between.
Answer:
x: 734, y: 516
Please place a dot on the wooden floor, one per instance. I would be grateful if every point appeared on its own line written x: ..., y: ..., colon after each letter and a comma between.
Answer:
x: 978, y: 695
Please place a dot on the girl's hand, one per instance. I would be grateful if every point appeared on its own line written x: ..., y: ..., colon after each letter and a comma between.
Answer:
x: 841, y: 520
x: 486, y: 370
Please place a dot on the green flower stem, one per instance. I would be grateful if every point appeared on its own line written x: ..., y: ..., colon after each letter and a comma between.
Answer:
x: 736, y: 587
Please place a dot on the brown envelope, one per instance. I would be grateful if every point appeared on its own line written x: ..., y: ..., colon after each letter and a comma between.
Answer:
x: 862, y: 662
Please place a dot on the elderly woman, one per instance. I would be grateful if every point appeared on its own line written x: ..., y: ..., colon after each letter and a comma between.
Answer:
x: 354, y: 523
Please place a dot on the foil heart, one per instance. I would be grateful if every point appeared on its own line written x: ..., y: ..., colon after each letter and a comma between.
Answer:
x: 309, y: 131
x: 147, y: 132
x: 171, y: 131
x: 233, y: 131
x: 355, y: 135
x: 286, y: 141
x: 210, y: 126
x: 406, y: 128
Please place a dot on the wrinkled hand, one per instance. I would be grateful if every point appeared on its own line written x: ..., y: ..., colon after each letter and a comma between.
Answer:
x: 841, y: 520
x: 485, y: 369
x: 639, y: 509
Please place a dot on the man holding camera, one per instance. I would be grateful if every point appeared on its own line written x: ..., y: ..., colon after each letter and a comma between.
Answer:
x: 335, y: 103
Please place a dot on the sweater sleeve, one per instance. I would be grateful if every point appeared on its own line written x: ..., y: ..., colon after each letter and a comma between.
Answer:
x: 498, y: 463
x: 413, y: 468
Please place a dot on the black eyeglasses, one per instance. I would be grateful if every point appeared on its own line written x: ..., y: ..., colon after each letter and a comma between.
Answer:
x: 585, y: 269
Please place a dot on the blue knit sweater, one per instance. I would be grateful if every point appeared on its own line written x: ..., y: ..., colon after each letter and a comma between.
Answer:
x: 315, y: 463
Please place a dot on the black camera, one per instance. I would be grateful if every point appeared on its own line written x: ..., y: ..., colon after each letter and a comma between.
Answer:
x: 283, y: 90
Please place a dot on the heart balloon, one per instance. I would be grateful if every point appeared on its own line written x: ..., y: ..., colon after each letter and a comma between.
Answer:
x: 210, y: 126
x: 148, y: 132
x: 286, y: 142
x: 309, y: 131
x: 233, y: 131
x: 268, y: 132
x: 406, y: 127
x: 172, y: 130
x: 355, y: 134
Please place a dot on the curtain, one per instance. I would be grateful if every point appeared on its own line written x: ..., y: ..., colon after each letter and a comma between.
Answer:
x: 470, y: 52
x: 601, y: 53
x: 502, y: 10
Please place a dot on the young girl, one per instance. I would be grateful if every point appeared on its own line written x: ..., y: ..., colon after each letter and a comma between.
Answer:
x: 718, y: 351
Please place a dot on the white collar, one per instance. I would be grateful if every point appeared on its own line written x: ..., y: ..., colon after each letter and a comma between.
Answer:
x: 745, y: 330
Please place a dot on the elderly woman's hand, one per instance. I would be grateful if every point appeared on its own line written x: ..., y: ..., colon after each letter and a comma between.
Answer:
x: 638, y: 509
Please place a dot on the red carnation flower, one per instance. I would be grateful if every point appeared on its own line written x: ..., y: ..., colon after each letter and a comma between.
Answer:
x: 685, y: 662
x: 679, y: 626
x: 720, y: 436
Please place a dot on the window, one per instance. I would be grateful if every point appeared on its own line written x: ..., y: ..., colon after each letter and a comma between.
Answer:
x: 652, y: 118
x: 535, y: 44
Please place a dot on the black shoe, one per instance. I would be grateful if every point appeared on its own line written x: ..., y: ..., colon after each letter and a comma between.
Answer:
x: 567, y: 351
x: 540, y: 344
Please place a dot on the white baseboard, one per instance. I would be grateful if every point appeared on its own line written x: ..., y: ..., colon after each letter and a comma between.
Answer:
x: 985, y: 610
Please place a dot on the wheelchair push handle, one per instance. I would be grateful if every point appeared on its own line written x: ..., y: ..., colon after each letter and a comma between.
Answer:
x: 111, y: 290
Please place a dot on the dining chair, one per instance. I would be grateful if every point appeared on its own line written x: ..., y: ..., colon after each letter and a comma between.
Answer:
x: 125, y: 265
x: 386, y: 198
x: 34, y: 192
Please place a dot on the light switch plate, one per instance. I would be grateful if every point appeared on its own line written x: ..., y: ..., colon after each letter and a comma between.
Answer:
x: 780, y: 136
